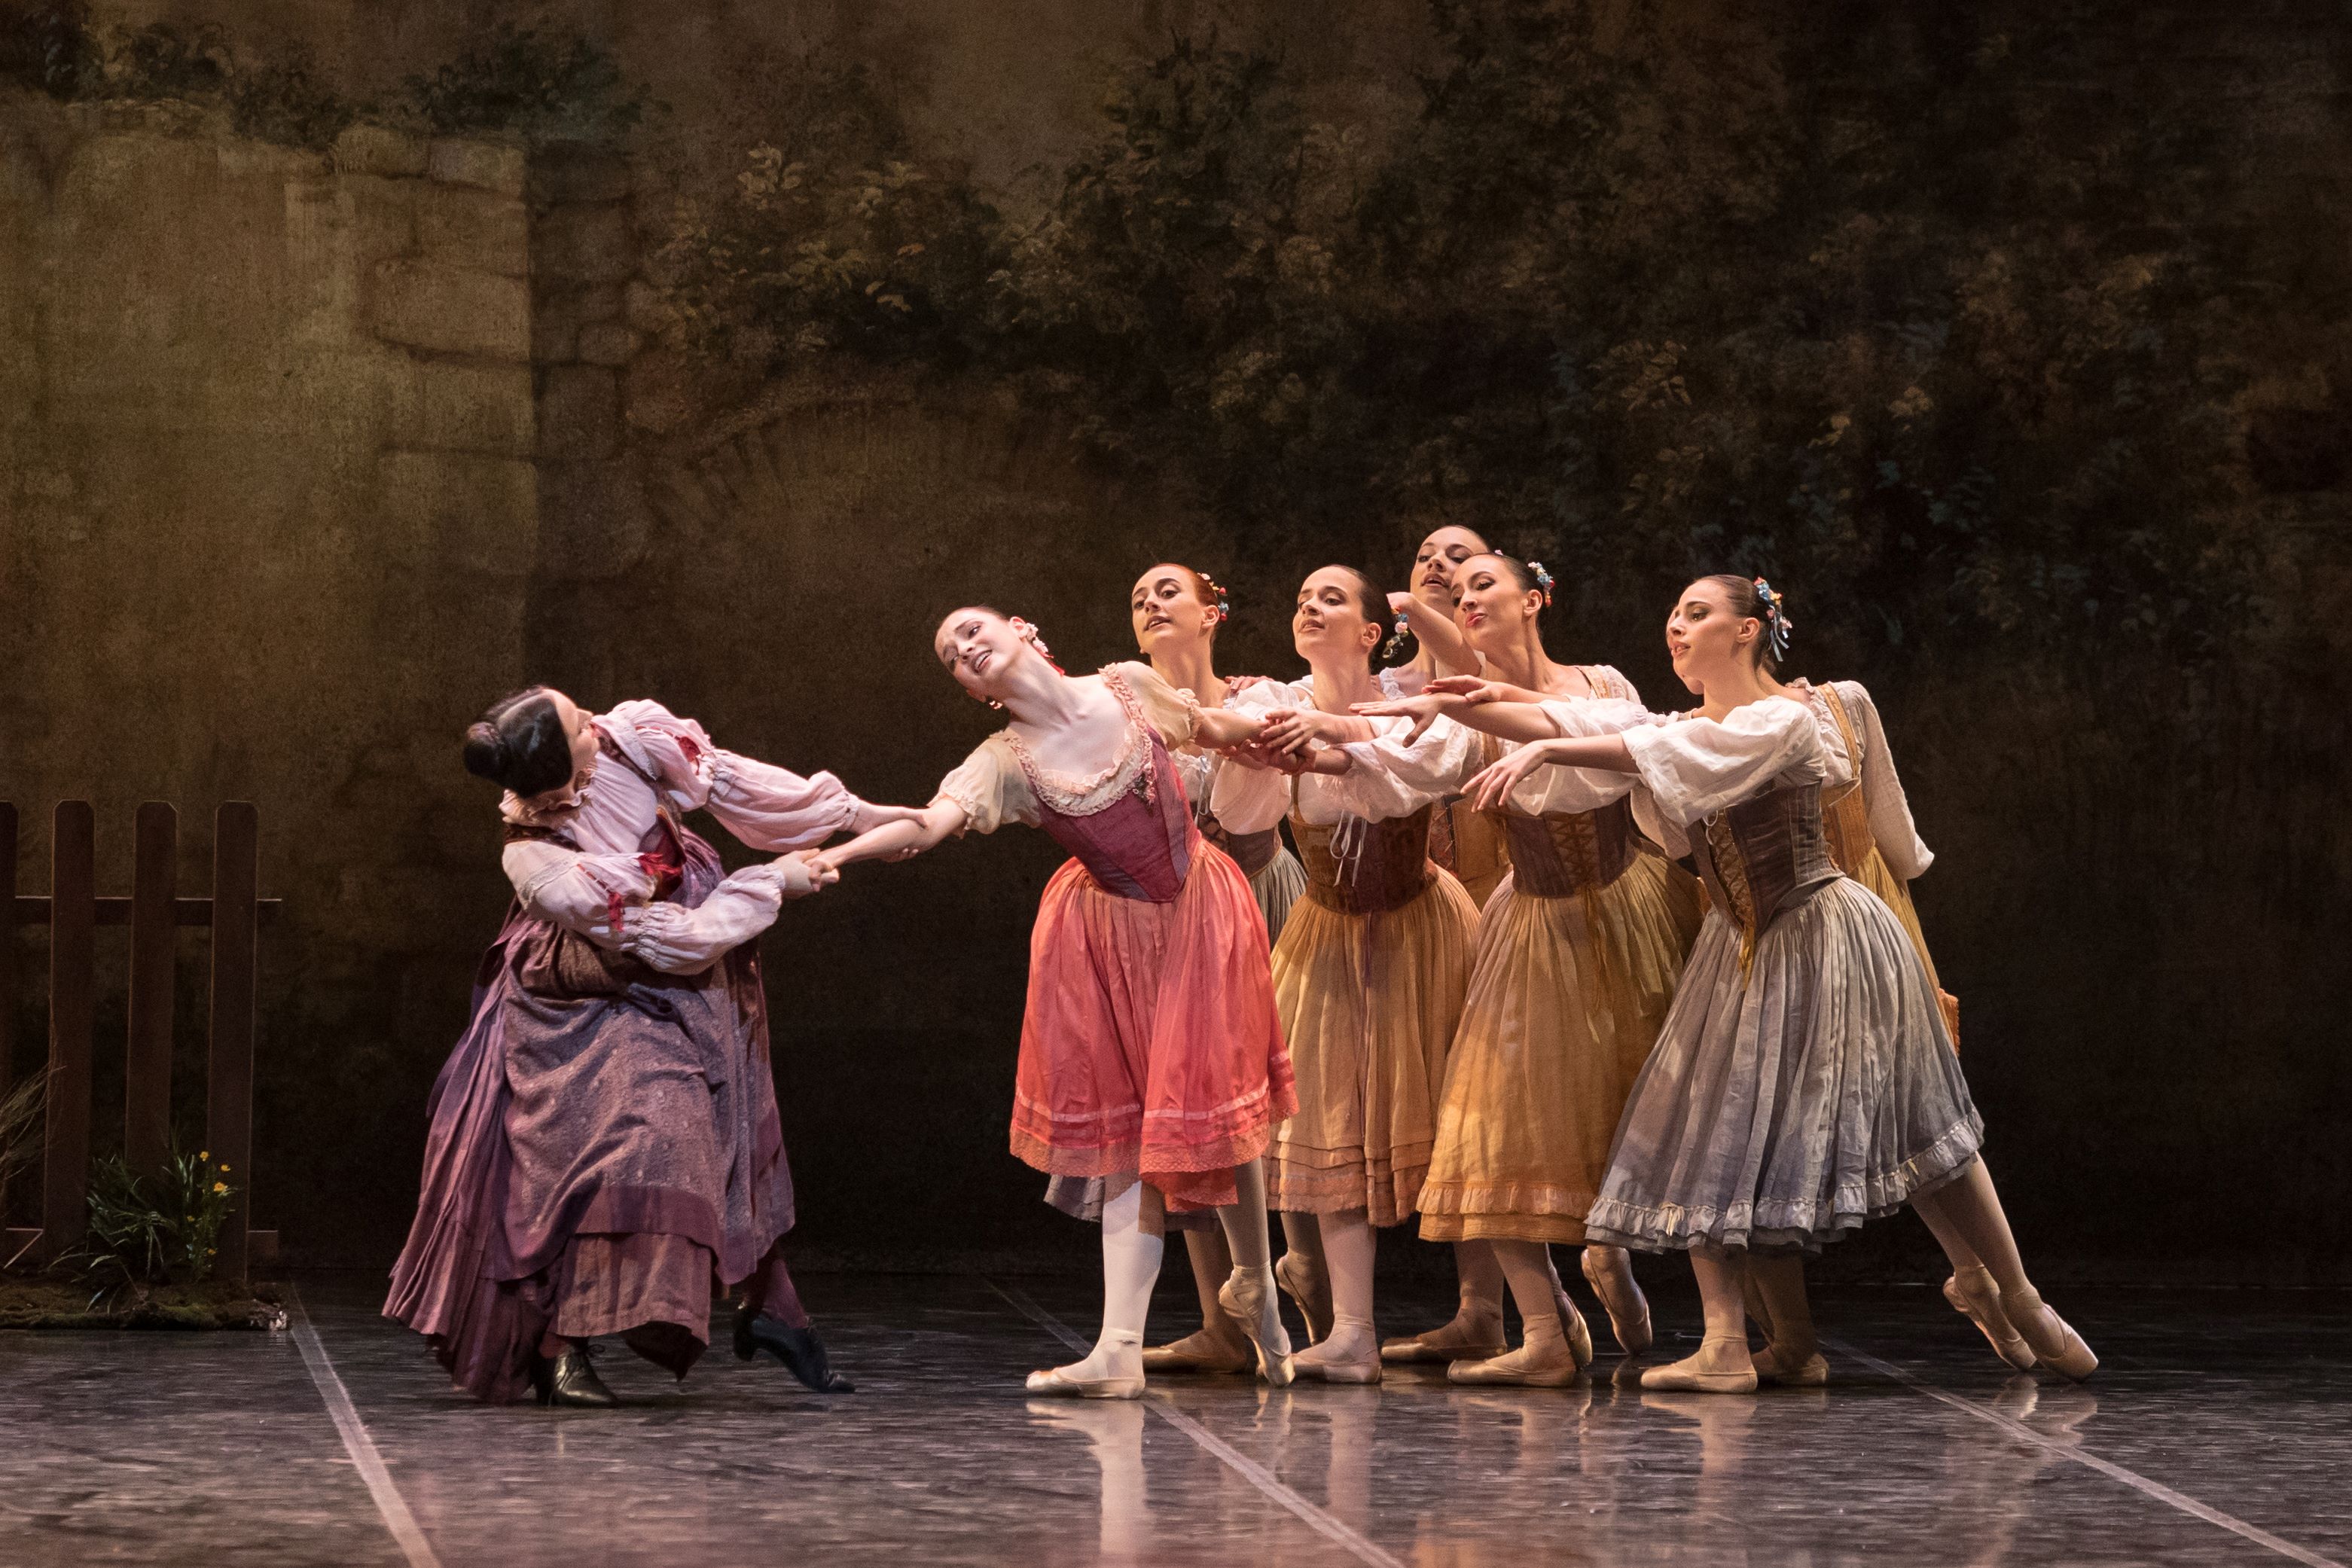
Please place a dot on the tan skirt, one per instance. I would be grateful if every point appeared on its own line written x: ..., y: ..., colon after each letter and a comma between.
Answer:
x: 1369, y: 1003
x: 1565, y: 1002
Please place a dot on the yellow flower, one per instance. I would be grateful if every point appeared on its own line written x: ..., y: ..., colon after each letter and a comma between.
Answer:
x: 204, y: 1154
x: 224, y: 1169
x: 220, y: 1187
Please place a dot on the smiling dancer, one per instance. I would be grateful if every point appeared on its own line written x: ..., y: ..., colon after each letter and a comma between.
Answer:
x: 1175, y: 611
x: 1578, y: 954
x: 604, y: 1137
x: 1150, y: 1052
x: 1370, y: 971
x: 1803, y: 1082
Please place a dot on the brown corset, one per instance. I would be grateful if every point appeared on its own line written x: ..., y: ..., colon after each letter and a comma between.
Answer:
x: 1253, y: 852
x: 1387, y: 865
x: 1570, y: 851
x: 1762, y: 855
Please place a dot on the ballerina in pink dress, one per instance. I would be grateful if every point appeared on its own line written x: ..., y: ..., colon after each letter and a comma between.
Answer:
x: 1151, y: 1054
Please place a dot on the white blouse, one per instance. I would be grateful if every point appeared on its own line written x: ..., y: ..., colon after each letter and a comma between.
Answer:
x: 1889, y: 810
x: 991, y: 788
x: 1388, y: 778
x: 603, y: 891
x: 1692, y: 767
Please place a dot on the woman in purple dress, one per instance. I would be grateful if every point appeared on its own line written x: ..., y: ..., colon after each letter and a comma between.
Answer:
x: 604, y: 1137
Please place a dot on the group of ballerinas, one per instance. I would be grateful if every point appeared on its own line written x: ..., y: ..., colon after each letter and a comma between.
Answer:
x: 1546, y: 967
x: 1485, y: 991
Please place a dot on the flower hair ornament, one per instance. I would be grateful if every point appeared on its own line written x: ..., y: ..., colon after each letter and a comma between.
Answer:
x: 1543, y: 581
x: 1396, y: 643
x: 1777, y: 624
x: 1221, y: 603
x: 1028, y: 633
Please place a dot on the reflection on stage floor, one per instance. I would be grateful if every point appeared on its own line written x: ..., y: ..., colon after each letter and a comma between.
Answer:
x: 2218, y: 1431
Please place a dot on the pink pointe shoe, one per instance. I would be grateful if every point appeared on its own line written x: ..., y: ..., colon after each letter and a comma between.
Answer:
x: 1975, y: 1296
x: 2059, y: 1348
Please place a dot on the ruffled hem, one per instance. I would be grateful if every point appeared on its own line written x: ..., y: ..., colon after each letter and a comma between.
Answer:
x: 1782, y: 1225
x: 1386, y: 1189
x: 1518, y: 1211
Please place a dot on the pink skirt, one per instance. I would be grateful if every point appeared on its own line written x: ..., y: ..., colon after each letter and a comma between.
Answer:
x: 1151, y: 1042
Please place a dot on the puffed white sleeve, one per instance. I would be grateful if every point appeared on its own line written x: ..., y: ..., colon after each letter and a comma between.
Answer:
x: 990, y: 788
x: 1437, y: 764
x: 1579, y: 717
x: 604, y: 897
x: 1165, y: 707
x: 766, y: 807
x: 1695, y: 767
x: 1891, y: 827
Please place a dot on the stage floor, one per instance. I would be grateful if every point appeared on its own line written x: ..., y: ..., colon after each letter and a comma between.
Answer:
x: 2218, y: 1431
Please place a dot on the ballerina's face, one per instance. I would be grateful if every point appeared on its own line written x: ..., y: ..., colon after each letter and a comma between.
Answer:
x: 1329, y: 621
x: 1489, y: 606
x: 1705, y: 638
x: 1434, y: 564
x: 981, y: 648
x: 1169, y: 611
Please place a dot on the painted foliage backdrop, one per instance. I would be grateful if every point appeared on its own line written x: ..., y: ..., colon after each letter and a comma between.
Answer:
x: 2010, y: 340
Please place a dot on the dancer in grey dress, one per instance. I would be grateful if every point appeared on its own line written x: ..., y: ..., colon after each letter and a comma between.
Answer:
x: 1803, y: 1082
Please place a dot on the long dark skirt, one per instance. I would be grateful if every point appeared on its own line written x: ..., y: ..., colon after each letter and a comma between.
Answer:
x: 594, y: 1160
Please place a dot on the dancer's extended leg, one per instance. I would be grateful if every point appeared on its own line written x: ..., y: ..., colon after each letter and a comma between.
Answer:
x: 1971, y: 1290
x: 1303, y: 1273
x: 1249, y: 1296
x: 1792, y: 1351
x: 1218, y: 1344
x: 1476, y: 1329
x: 1972, y: 1209
x: 1351, y: 1353
x: 1722, y: 1364
x: 1133, y: 1222
x: 1547, y: 1357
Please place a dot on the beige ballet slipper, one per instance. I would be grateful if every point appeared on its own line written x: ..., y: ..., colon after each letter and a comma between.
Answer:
x: 1730, y: 1370
x: 1204, y: 1350
x: 1974, y: 1294
x: 1309, y: 1290
x: 1057, y: 1382
x: 1249, y: 1299
x: 2057, y: 1345
x: 1621, y: 1299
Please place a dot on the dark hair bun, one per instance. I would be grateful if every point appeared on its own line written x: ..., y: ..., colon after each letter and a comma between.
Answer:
x: 520, y: 743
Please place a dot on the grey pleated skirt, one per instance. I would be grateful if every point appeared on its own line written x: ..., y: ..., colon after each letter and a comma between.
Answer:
x: 1782, y: 1108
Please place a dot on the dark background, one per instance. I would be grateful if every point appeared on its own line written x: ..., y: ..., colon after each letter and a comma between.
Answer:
x: 2008, y: 340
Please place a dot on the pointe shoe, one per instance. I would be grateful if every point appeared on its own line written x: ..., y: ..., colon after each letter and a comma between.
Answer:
x: 1056, y: 1381
x: 1473, y: 1340
x: 1810, y: 1373
x: 1975, y: 1296
x: 800, y: 1350
x: 1205, y: 1351
x: 1248, y: 1298
x: 1628, y: 1320
x: 1689, y: 1376
x: 1515, y: 1370
x: 570, y: 1381
x: 1317, y: 1362
x: 1579, y: 1334
x: 2063, y: 1351
x: 1299, y: 1281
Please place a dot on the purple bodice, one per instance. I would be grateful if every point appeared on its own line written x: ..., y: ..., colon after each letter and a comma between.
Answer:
x: 1141, y: 844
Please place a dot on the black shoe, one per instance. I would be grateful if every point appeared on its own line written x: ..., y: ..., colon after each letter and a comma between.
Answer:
x: 571, y: 1380
x: 800, y: 1350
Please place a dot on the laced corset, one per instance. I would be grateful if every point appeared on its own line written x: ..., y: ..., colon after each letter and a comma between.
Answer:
x: 1362, y: 868
x: 1566, y: 852
x: 1130, y: 825
x: 1763, y: 856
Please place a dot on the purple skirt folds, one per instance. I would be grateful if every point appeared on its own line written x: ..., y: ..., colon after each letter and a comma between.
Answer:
x: 594, y: 1157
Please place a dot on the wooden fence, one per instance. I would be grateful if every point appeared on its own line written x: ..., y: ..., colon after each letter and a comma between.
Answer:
x: 154, y: 911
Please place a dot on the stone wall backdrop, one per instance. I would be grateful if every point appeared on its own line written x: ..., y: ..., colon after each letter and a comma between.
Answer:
x: 359, y: 362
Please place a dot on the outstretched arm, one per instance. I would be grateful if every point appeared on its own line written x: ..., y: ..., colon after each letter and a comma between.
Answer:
x: 897, y: 840
x: 1607, y: 754
x: 1220, y: 727
x: 1510, y: 719
x: 1437, y: 632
